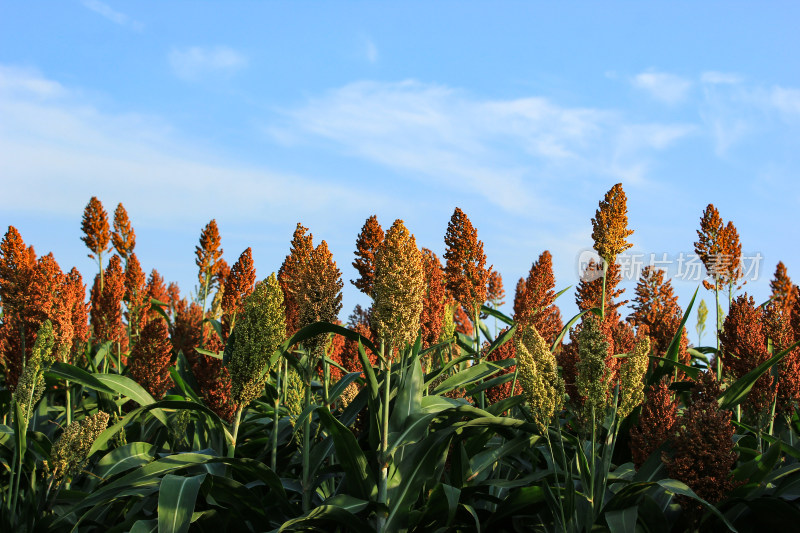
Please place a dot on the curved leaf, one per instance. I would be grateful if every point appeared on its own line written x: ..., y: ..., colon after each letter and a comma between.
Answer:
x: 176, y: 499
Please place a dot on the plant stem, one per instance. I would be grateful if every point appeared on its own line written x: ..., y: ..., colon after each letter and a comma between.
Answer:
x: 478, y: 351
x: 274, y: 456
x: 307, y: 441
x: 69, y: 405
x: 325, y: 379
x: 236, y: 422
x: 383, y: 459
x: 603, y: 300
x: 716, y: 330
x: 555, y: 475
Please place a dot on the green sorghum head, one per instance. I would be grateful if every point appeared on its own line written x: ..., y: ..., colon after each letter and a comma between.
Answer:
x: 259, y: 330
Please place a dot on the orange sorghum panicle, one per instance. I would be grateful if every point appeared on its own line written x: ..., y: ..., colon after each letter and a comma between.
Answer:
x: 151, y: 358
x: 123, y: 237
x: 435, y: 298
x: 291, y: 273
x: 367, y: 244
x: 610, y: 225
x: 95, y: 227
x: 465, y: 263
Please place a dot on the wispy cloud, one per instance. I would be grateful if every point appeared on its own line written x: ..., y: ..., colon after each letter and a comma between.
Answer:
x: 716, y: 77
x: 501, y: 150
x: 57, y: 150
x: 662, y: 86
x: 785, y: 100
x: 114, y: 16
x: 195, y: 62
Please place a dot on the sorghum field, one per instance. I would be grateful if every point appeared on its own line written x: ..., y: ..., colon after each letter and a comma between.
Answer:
x: 251, y: 407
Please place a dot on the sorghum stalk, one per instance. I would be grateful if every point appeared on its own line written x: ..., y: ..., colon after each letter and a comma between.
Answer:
x: 274, y: 456
x: 235, y: 434
x: 383, y: 459
x: 307, y: 439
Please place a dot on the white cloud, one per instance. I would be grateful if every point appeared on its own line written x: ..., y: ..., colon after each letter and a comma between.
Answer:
x: 371, y: 51
x: 720, y: 78
x: 196, y: 61
x: 785, y: 100
x: 662, y: 86
x: 16, y: 80
x: 57, y: 150
x: 114, y: 16
x: 500, y: 150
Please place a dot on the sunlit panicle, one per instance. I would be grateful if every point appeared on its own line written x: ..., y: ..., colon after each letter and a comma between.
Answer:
x: 31, y: 383
x: 260, y: 329
x: 593, y: 375
x: 151, y: 358
x: 538, y: 375
x: 320, y: 294
x: 95, y: 228
x: 71, y: 450
x: 123, y: 237
x: 399, y: 287
x: 465, y: 263
x: 631, y: 378
x: 208, y: 255
x: 290, y: 275
x: 367, y: 244
x: 610, y: 225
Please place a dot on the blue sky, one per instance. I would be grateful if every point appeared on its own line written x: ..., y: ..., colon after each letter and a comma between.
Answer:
x: 263, y: 114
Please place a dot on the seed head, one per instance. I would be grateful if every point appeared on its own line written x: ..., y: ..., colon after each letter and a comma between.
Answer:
x: 151, y: 358
x: 594, y: 376
x: 631, y: 378
x: 291, y: 273
x: 71, y: 450
x: 538, y: 375
x: 106, y: 310
x: 95, y: 227
x: 320, y: 294
x: 535, y: 301
x: 367, y: 244
x: 610, y: 225
x: 433, y: 306
x: 655, y: 422
x: 208, y: 255
x: 399, y: 287
x: 123, y: 237
x: 258, y: 332
x: 31, y: 383
x: 465, y: 269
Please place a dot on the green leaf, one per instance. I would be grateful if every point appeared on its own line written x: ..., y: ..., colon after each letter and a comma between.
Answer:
x: 144, y: 526
x: 409, y: 397
x: 690, y: 371
x: 176, y: 499
x: 127, y: 387
x: 358, y: 476
x: 677, y: 487
x: 467, y: 377
x: 622, y: 521
x: 737, y: 392
x: 672, y: 352
x: 323, y: 517
x: 502, y: 339
x: 215, y: 355
x: 124, y: 458
x: 497, y: 314
x: 567, y: 327
x: 77, y: 375
x: 414, y: 473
